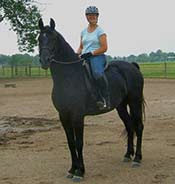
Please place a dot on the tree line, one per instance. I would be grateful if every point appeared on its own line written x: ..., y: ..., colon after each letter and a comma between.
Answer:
x: 158, y: 56
x: 19, y: 59
x: 26, y: 59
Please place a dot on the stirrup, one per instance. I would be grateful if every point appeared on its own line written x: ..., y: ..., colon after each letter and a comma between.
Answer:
x: 107, y: 104
x: 103, y: 105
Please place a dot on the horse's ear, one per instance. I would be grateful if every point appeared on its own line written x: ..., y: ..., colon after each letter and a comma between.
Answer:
x: 41, y: 24
x: 52, y: 23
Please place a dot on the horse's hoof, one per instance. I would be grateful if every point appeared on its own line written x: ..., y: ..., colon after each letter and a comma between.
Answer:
x: 69, y: 176
x: 77, y: 179
x: 136, y: 164
x: 127, y: 159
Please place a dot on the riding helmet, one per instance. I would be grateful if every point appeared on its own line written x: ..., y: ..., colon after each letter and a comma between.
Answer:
x: 92, y: 10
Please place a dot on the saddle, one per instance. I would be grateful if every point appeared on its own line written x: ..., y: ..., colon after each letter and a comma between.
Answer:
x: 91, y: 82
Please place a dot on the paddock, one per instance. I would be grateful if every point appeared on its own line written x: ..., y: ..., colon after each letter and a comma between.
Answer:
x: 33, y: 146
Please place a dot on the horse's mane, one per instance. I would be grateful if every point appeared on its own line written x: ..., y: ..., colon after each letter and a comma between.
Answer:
x: 64, y: 47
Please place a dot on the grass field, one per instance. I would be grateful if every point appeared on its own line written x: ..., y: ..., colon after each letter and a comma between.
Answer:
x: 158, y: 70
x: 149, y: 70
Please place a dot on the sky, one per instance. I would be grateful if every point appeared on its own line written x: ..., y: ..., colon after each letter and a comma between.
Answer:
x: 132, y: 26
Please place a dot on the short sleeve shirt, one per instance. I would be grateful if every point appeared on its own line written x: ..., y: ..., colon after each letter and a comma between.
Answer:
x: 90, y: 40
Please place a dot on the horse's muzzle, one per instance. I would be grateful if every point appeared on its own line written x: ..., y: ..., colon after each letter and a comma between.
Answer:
x: 44, y: 65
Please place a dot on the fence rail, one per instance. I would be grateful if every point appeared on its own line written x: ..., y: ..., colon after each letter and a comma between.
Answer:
x: 158, y: 70
x: 149, y: 70
x: 20, y: 71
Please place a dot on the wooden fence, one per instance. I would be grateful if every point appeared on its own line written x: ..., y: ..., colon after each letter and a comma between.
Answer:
x: 22, y: 71
x: 151, y: 70
x: 158, y: 70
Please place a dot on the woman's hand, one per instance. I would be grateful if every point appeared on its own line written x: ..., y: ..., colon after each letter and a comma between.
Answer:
x: 87, y: 55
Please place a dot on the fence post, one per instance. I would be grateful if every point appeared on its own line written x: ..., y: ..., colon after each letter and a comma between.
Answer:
x: 3, y: 70
x: 26, y: 73
x: 46, y: 73
x: 165, y: 69
x: 12, y: 71
x: 30, y: 70
x: 16, y: 70
x: 39, y: 71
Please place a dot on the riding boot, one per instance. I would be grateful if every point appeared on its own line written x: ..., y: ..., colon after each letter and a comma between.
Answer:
x: 103, y: 86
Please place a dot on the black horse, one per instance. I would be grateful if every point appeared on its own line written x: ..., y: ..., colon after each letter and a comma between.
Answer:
x: 74, y: 101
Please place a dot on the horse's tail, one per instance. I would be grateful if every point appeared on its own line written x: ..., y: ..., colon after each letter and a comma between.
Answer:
x: 143, y: 100
x: 136, y: 65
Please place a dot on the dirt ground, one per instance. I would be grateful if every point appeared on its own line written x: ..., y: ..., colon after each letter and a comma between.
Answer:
x: 33, y: 148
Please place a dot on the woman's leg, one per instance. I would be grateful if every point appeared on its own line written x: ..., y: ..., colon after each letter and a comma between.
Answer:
x: 97, y: 66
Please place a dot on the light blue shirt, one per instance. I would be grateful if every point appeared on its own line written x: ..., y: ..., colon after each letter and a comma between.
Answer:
x: 90, y: 40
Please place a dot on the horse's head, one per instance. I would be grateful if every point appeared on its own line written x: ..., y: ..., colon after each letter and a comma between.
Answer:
x: 47, y: 43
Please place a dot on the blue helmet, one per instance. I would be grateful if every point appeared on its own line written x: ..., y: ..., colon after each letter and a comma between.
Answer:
x: 92, y: 10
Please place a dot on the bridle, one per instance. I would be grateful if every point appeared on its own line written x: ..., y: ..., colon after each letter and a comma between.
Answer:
x: 52, y: 55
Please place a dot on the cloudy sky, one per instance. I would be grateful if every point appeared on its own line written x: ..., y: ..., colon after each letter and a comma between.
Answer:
x: 132, y: 26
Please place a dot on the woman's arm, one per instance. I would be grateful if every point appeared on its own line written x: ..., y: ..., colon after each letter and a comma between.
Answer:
x: 79, y: 51
x: 103, y: 46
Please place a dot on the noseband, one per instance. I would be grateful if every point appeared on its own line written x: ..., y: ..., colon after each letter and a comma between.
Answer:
x: 50, y: 50
x: 47, y: 48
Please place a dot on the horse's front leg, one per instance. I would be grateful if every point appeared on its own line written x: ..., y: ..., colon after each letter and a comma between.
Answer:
x: 78, y: 125
x: 67, y: 125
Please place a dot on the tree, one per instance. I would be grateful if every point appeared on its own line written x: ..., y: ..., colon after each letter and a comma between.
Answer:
x: 142, y: 58
x: 21, y: 59
x: 158, y: 56
x: 4, y: 60
x: 109, y: 58
x: 23, y: 16
x: 132, y: 58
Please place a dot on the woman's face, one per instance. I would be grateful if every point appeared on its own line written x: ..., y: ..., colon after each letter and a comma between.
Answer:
x: 92, y: 18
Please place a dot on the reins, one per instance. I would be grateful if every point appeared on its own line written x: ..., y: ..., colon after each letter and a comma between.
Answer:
x: 62, y: 62
x: 67, y: 63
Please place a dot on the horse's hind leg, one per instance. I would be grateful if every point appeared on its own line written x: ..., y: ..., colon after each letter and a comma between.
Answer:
x: 125, y: 117
x: 136, y: 115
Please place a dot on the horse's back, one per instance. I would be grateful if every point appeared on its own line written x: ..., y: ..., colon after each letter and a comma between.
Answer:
x: 130, y: 74
x: 129, y: 71
x: 126, y: 66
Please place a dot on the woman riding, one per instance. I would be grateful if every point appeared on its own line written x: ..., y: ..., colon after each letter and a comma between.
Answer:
x: 93, y: 45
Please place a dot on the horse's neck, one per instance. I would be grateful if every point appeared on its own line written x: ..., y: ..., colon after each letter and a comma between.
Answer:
x: 65, y: 52
x: 66, y: 74
x: 63, y: 73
